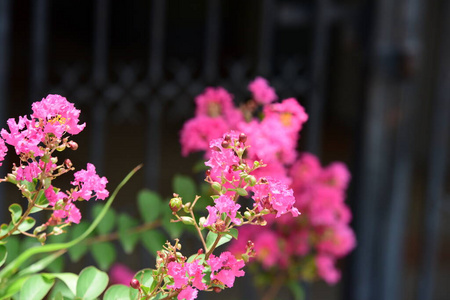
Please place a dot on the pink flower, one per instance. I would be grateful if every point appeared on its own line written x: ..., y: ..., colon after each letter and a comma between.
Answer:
x: 267, y: 248
x: 225, y: 268
x: 28, y: 172
x: 336, y: 175
x: 88, y: 182
x: 188, y: 293
x: 25, y: 136
x: 225, y: 204
x: 198, y: 132
x: 337, y: 241
x: 120, y: 274
x: 178, y: 273
x: 58, y: 115
x: 275, y: 196
x: 262, y: 92
x: 195, y: 273
x: 289, y: 113
x: 326, y: 269
x: 222, y: 159
x: 3, y: 150
x: 214, y: 102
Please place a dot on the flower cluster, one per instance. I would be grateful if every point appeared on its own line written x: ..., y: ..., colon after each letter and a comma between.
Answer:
x: 311, y: 243
x: 321, y: 236
x: 36, y: 140
x: 233, y: 177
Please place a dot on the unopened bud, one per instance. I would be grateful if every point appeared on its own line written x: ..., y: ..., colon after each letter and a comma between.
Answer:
x: 217, y: 289
x: 217, y: 186
x: 134, y: 283
x: 72, y: 145
x: 68, y: 163
x: 252, y: 180
x: 61, y: 148
x: 11, y: 178
x: 187, y: 220
x: 241, y: 192
x: 242, y: 138
x: 200, y: 251
x: 225, y: 144
x: 220, y: 225
x: 247, y: 214
x: 175, y: 204
x: 208, y: 172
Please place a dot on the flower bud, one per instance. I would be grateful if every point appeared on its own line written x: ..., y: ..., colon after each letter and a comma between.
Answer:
x: 208, y: 172
x: 217, y: 186
x: 252, y: 180
x: 68, y: 163
x: 134, y: 283
x: 201, y: 221
x: 200, y: 251
x: 217, y: 289
x: 11, y: 178
x: 187, y: 220
x: 61, y: 148
x: 220, y: 225
x: 225, y: 144
x: 227, y: 138
x: 241, y: 192
x: 72, y: 145
x: 248, y: 215
x: 242, y: 138
x: 175, y: 204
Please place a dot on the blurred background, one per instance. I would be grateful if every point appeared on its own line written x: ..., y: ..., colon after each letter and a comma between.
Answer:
x: 374, y: 77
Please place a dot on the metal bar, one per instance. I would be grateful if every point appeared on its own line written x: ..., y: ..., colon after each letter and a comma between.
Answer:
x: 319, y: 59
x: 100, y: 63
x: 370, y: 183
x: 39, y: 44
x: 157, y: 33
x: 153, y: 157
x: 394, y: 233
x: 99, y: 77
x: 265, y: 47
x: 5, y: 41
x: 154, y: 109
x: 212, y: 41
x: 437, y: 162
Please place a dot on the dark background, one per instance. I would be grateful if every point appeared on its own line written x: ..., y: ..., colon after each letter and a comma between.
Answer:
x: 373, y: 76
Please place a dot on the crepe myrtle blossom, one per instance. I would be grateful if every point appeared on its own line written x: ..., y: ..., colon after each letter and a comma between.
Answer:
x: 261, y: 91
x: 225, y: 268
x: 223, y: 204
x: 3, y: 150
x: 275, y: 196
x: 89, y: 183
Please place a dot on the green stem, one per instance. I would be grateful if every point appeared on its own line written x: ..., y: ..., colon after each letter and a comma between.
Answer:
x: 15, y: 264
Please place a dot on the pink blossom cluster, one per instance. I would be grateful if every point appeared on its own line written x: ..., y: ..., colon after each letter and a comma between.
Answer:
x: 273, y: 137
x: 293, y: 182
x: 323, y: 230
x: 226, y: 167
x: 190, y: 277
x: 35, y: 139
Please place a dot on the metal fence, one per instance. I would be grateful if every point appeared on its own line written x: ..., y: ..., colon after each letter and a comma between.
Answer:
x: 393, y: 40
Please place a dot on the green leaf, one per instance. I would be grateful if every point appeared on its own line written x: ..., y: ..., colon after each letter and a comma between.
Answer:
x: 173, y: 228
x: 36, y: 287
x: 40, y: 264
x: 12, y: 246
x: 16, y: 212
x: 76, y: 252
x: 211, y: 238
x: 149, y: 204
x: 5, y: 228
x: 117, y: 292
x: 128, y: 240
x: 3, y: 254
x: 185, y: 187
x: 27, y: 224
x: 91, y: 283
x: 69, y: 279
x: 296, y: 290
x: 104, y: 254
x: 61, y: 290
x: 41, y: 200
x: 108, y: 222
x: 153, y: 240
x: 234, y: 233
x: 145, y: 277
x: 13, y: 288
